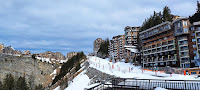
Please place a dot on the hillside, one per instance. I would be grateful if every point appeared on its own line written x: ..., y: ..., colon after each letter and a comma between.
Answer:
x: 36, y: 71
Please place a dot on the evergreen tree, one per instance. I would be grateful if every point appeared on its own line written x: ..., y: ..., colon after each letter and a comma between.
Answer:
x: 9, y: 82
x: 31, y: 81
x: 21, y: 84
x: 78, y: 66
x: 196, y: 17
x: 198, y: 6
x: 66, y: 67
x: 1, y: 86
x: 157, y: 20
x: 103, y: 51
x: 167, y: 14
x: 39, y: 87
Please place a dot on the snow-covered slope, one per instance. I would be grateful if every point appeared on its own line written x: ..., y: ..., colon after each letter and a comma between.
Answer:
x: 126, y: 70
x: 123, y: 70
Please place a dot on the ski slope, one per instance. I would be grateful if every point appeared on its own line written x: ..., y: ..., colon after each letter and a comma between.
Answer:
x: 123, y: 70
x: 127, y: 70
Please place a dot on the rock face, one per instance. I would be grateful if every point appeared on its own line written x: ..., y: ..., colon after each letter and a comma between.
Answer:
x: 34, y: 70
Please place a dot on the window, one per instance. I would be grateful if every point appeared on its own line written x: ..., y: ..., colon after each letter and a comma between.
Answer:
x: 187, y: 65
x: 145, y: 34
x: 184, y: 23
x: 174, y: 62
x: 192, y: 28
x: 185, y: 30
x: 160, y: 29
x: 193, y: 34
x: 193, y: 72
x: 155, y: 31
x: 194, y: 46
x: 166, y: 26
x: 198, y: 28
x: 194, y: 52
x: 179, y: 24
x: 193, y: 40
x: 161, y: 63
x: 173, y: 52
x: 179, y: 30
x: 195, y: 57
x: 185, y: 42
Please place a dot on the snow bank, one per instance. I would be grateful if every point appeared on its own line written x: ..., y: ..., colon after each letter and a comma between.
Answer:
x: 57, y: 88
x: 79, y: 83
x: 159, y: 88
x: 52, y: 60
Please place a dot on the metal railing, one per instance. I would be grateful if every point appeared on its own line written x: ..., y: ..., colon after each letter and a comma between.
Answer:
x: 147, y: 84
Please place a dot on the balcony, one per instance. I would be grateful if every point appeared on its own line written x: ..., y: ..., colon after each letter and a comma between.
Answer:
x: 171, y: 47
x: 172, y: 58
x: 184, y: 56
x: 185, y: 61
x: 183, y: 44
x: 165, y: 48
x: 182, y: 39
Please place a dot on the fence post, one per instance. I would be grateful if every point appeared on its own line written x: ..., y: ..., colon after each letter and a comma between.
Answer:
x: 124, y: 82
x: 184, y: 72
x: 185, y: 84
x: 142, y: 70
x: 165, y: 84
x: 149, y: 84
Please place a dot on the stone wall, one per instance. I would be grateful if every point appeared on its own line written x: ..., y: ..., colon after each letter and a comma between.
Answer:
x: 98, y: 76
x: 34, y: 70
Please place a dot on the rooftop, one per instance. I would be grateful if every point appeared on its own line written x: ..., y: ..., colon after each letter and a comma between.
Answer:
x: 167, y: 22
x: 180, y: 18
x: 196, y: 23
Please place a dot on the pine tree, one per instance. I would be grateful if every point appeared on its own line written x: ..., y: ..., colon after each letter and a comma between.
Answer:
x: 1, y: 86
x: 31, y: 81
x: 198, y: 6
x: 103, y: 51
x: 167, y: 14
x: 39, y: 87
x: 196, y: 17
x: 9, y: 82
x: 21, y: 84
x: 157, y: 20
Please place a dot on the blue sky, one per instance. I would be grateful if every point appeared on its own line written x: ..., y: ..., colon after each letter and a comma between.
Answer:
x: 72, y: 25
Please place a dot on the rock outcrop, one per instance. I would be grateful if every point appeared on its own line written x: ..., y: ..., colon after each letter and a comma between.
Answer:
x: 35, y: 71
